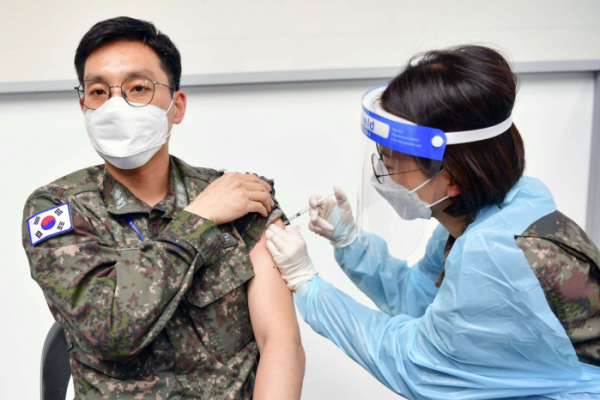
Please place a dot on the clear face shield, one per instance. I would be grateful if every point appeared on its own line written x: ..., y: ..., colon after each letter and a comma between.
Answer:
x: 401, y: 169
x: 402, y: 176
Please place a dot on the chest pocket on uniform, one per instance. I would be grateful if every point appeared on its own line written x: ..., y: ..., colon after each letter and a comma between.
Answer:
x: 219, y: 300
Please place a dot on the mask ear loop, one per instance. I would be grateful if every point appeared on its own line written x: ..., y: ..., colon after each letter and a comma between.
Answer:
x: 425, y: 183
x: 439, y: 201
x: 170, y: 105
x: 166, y: 112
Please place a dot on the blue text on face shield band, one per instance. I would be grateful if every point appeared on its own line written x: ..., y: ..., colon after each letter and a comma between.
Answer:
x: 414, y: 140
x: 409, y: 139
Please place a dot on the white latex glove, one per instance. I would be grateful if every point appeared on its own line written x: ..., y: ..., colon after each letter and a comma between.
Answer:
x: 333, y: 219
x: 289, y: 253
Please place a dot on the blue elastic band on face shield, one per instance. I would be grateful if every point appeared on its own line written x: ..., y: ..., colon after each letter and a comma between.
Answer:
x: 406, y: 137
x: 397, y: 134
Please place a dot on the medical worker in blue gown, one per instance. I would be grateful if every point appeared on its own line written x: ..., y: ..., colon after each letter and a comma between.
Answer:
x: 488, y: 311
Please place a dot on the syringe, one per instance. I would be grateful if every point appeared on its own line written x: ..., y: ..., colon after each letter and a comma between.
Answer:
x: 299, y: 213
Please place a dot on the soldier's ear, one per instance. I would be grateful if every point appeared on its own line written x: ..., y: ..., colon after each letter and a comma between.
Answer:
x: 179, y: 105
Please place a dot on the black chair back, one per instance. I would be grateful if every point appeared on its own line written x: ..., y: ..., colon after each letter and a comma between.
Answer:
x: 55, y: 369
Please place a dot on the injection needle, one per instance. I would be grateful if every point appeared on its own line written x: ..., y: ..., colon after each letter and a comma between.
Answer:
x: 304, y: 210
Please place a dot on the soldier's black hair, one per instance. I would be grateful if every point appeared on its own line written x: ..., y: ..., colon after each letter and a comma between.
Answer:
x: 458, y: 89
x: 130, y: 29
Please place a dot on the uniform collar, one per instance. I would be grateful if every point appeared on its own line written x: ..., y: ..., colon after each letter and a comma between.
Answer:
x: 120, y: 200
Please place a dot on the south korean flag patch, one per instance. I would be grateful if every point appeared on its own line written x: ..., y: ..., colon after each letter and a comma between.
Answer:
x: 52, y: 222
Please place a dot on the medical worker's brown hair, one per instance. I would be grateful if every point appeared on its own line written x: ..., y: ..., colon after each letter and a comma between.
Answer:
x: 458, y: 89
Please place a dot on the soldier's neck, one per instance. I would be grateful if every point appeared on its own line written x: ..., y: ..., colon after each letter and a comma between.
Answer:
x: 150, y: 182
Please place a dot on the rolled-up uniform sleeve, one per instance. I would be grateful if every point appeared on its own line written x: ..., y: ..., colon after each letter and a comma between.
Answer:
x: 253, y: 225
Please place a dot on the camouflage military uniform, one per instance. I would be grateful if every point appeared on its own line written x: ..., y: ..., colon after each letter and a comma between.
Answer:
x: 567, y: 264
x: 163, y: 318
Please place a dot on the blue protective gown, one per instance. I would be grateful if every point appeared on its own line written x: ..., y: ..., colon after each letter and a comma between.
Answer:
x: 487, y: 332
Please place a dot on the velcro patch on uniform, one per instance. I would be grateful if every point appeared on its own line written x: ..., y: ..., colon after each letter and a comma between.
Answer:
x: 229, y: 240
x: 48, y: 223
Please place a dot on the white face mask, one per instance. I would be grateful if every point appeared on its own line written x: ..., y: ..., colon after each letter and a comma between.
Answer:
x: 405, y: 202
x: 126, y: 136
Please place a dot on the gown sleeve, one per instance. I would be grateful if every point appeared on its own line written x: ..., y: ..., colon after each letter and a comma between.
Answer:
x: 489, y: 332
x: 393, y: 286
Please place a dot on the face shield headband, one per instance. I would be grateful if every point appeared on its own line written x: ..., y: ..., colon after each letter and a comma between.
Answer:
x: 406, y: 137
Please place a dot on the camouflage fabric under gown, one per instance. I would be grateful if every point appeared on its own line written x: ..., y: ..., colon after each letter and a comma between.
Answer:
x: 567, y: 265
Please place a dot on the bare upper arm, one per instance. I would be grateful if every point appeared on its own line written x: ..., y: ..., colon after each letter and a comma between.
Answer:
x: 270, y: 301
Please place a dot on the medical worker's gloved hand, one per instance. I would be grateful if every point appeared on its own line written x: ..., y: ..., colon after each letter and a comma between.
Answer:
x: 333, y: 219
x: 289, y: 253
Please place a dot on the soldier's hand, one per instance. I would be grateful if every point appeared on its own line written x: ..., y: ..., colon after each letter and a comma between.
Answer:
x: 232, y: 196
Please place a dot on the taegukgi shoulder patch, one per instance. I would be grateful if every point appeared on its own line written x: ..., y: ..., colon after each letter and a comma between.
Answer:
x: 48, y: 223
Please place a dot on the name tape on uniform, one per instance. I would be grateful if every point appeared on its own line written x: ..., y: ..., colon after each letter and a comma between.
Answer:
x: 52, y: 222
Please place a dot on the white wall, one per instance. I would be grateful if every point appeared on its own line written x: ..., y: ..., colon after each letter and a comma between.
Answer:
x: 225, y: 36
x: 305, y: 136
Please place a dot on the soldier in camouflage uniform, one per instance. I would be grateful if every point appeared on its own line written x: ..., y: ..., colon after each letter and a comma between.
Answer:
x: 157, y: 301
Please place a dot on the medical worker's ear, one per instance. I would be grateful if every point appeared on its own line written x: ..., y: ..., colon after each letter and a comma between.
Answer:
x: 452, y: 189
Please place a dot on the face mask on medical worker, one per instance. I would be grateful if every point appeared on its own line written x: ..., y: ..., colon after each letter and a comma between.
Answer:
x: 333, y: 218
x: 334, y: 221
x: 126, y: 133
x: 406, y: 203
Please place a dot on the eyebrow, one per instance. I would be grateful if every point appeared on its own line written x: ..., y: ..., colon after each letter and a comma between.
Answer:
x: 135, y: 72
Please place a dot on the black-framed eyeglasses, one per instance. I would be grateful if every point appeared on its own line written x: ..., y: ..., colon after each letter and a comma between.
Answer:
x: 379, y: 169
x: 137, y: 91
